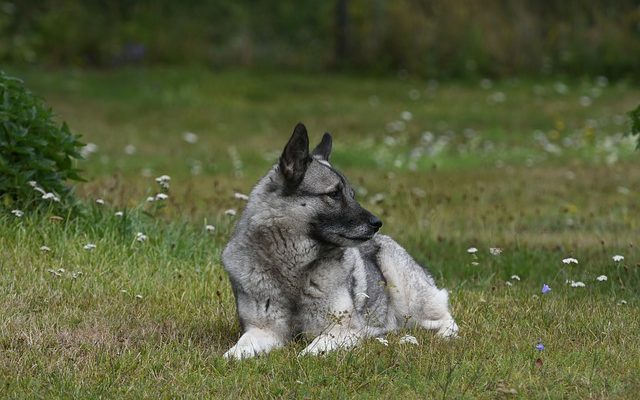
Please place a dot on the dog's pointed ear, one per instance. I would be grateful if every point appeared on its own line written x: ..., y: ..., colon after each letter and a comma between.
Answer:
x: 295, y: 156
x: 323, y: 149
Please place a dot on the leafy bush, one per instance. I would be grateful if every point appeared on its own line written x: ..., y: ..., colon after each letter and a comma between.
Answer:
x: 635, y: 123
x: 36, y: 155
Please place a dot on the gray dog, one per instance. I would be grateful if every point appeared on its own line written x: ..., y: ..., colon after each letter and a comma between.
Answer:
x: 305, y: 259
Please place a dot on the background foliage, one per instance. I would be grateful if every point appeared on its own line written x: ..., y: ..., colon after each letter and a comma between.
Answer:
x: 435, y: 38
x: 36, y: 154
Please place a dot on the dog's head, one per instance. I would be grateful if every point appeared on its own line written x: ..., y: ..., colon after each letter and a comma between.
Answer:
x: 321, y: 195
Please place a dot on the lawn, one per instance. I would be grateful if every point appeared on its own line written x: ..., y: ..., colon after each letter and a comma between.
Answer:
x: 538, y: 169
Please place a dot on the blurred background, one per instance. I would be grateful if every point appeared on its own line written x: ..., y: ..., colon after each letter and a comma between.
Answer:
x: 432, y: 103
x: 426, y: 38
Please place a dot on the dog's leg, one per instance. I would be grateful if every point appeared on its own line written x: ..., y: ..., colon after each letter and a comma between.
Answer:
x: 414, y: 296
x: 265, y: 323
x: 341, y: 330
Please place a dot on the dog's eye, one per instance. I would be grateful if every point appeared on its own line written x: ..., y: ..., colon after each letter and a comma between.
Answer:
x: 335, y: 195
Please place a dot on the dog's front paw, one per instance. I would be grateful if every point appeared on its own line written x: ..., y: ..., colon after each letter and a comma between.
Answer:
x: 327, y: 342
x: 252, y: 343
x: 448, y: 330
x: 239, y: 352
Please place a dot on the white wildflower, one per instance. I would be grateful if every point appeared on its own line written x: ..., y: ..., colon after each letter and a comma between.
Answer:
x: 138, y: 296
x: 190, y: 137
x: 161, y: 196
x: 44, y: 249
x: 383, y: 341
x: 515, y: 277
x: 164, y: 181
x: 406, y: 115
x: 210, y: 228
x: 617, y: 258
x: 622, y: 302
x: 508, y: 283
x: 408, y: 339
x: 230, y: 212
x: 100, y: 202
x: 495, y: 251
x: 569, y: 260
x: 151, y: 199
x: 17, y: 213
x: 141, y: 237
x: 89, y: 246
x: 601, y: 278
x: 472, y: 250
x: 475, y: 263
x: 119, y: 214
x: 241, y: 196
x: 88, y: 149
x: 130, y: 149
x: 577, y: 284
x: 50, y: 196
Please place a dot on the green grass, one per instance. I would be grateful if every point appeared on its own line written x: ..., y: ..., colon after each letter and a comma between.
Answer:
x: 152, y: 319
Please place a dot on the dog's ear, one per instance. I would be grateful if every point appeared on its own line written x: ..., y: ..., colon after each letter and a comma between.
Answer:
x: 323, y: 149
x: 295, y: 156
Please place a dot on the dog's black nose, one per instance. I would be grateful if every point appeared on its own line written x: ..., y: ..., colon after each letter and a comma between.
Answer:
x: 375, y: 222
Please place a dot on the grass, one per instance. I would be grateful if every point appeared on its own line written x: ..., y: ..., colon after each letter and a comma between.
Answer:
x: 151, y: 319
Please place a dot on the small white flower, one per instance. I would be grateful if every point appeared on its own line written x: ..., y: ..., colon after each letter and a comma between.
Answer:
x: 569, y: 260
x: 508, y: 283
x: 495, y: 251
x: 50, y: 196
x: 601, y: 278
x: 210, y: 228
x: 151, y: 199
x: 100, y: 202
x: 241, y: 196
x: 88, y: 149
x: 622, y: 302
x: 163, y: 181
x: 138, y: 296
x: 130, y: 149
x: 119, y: 214
x: 190, y: 137
x: 408, y: 339
x: 617, y: 258
x: 230, y: 212
x: 75, y: 275
x: 89, y: 246
x: 383, y: 341
x: 515, y: 277
x: 577, y: 284
x: 475, y: 263
x: 472, y: 250
x: 161, y: 196
x: 123, y: 291
x: 17, y: 213
x: 44, y: 249
x: 141, y: 237
x: 406, y: 115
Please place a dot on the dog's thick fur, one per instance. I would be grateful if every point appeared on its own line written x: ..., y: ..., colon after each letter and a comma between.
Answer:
x: 305, y: 259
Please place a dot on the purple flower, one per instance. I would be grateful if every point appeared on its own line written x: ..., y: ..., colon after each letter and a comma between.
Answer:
x: 545, y: 289
x: 539, y: 347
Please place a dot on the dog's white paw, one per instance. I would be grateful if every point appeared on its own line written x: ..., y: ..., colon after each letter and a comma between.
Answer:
x: 253, y: 343
x: 448, y: 329
x: 329, y: 342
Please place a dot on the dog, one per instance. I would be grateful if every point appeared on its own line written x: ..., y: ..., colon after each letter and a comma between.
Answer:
x: 305, y: 259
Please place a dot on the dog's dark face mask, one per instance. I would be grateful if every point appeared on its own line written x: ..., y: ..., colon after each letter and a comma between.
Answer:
x: 321, y: 196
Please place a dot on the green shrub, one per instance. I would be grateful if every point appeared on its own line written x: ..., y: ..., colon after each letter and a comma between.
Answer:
x: 635, y: 123
x: 36, y: 155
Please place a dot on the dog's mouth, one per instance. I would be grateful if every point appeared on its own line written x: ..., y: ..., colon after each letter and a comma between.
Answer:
x: 357, y: 238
